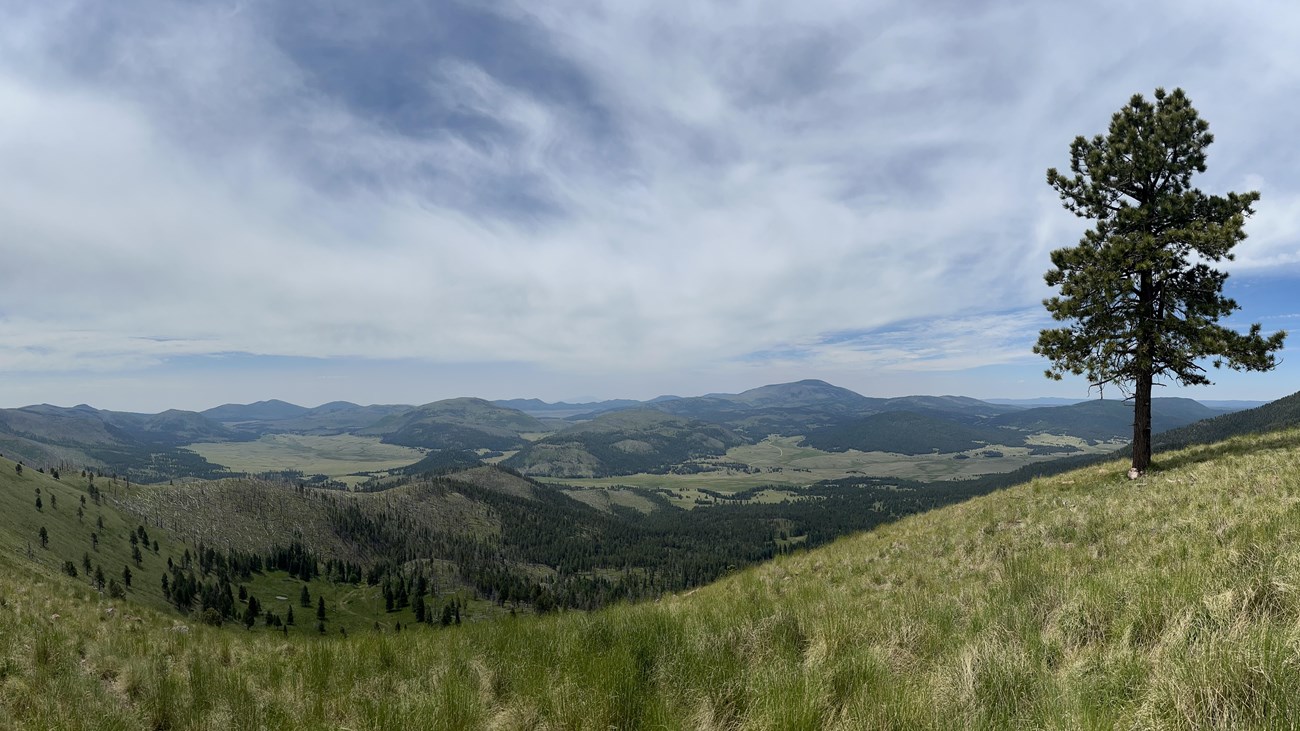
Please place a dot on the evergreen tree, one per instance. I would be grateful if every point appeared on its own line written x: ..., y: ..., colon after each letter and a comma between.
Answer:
x: 320, y: 608
x: 288, y: 617
x: 45, y: 537
x: 1139, y: 289
x: 305, y: 597
x: 126, y: 576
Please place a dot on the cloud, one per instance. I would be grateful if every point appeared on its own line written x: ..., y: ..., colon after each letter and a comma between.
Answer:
x: 587, y: 188
x: 943, y: 344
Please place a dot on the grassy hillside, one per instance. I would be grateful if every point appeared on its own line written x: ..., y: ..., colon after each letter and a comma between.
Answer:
x: 1080, y: 601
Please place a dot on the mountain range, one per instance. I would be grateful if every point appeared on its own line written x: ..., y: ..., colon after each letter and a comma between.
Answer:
x: 616, y: 437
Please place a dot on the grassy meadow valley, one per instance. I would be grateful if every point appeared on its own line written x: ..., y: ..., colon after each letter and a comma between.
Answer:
x: 344, y: 458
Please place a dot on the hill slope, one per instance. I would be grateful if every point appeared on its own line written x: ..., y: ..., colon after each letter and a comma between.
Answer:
x: 623, y: 442
x: 1081, y: 601
x: 144, y: 446
x: 458, y: 423
x: 1280, y: 414
x: 904, y: 432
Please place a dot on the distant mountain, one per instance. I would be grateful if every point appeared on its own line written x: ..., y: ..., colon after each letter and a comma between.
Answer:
x: 905, y: 432
x: 1280, y: 414
x: 562, y: 409
x: 1217, y: 404
x: 783, y: 408
x: 962, y: 408
x: 798, y: 394
x: 802, y: 407
x: 1102, y: 420
x: 86, y: 426
x: 1231, y: 404
x: 145, y: 446
x: 171, y: 427
x: 622, y: 443
x: 273, y: 410
x: 275, y: 417
x: 1029, y: 403
x: 459, y: 423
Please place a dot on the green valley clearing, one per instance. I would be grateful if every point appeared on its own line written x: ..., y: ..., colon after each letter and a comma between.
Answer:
x: 341, y: 457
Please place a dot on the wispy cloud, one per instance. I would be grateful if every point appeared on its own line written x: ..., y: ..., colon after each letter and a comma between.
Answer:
x: 618, y: 188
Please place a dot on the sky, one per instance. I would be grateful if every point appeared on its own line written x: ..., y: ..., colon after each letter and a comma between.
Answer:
x: 397, y: 202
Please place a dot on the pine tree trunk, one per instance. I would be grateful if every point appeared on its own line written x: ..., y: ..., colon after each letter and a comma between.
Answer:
x: 1142, y: 423
x: 1142, y: 388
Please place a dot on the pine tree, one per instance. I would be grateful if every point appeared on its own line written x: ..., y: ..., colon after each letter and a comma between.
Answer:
x: 320, y: 608
x: 1144, y: 300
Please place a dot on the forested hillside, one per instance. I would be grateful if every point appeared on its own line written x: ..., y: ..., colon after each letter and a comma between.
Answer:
x: 623, y: 442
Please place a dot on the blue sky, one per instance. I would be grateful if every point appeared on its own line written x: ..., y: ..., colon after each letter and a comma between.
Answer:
x: 211, y: 202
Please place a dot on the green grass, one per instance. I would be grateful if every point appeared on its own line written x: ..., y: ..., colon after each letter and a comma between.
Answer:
x: 1082, y: 601
x: 333, y: 456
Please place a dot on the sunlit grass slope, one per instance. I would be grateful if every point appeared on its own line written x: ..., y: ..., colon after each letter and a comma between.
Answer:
x: 1079, y: 601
